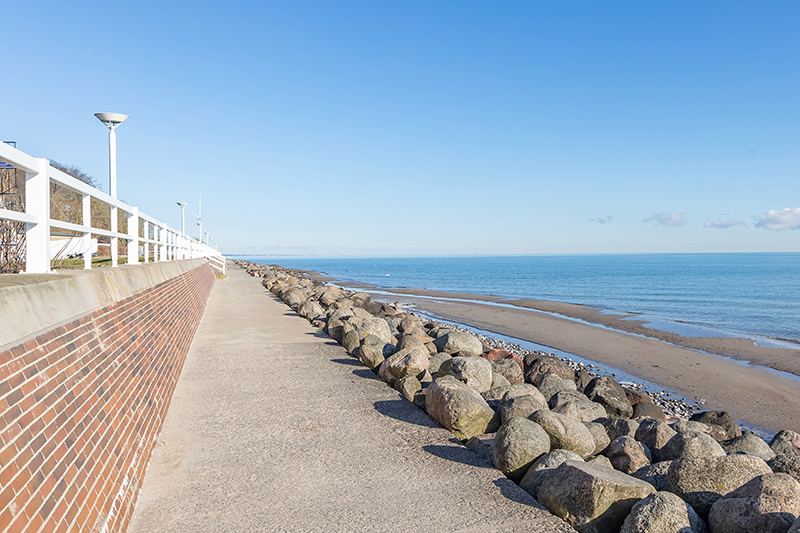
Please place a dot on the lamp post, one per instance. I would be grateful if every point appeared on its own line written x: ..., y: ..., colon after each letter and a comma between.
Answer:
x: 112, y: 121
x: 183, y: 205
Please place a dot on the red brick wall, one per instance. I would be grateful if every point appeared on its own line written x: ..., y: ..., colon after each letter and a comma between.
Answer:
x: 81, y: 407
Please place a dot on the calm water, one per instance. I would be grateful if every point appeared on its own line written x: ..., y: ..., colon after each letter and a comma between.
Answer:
x: 755, y: 294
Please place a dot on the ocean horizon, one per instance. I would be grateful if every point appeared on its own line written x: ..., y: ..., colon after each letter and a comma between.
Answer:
x: 692, y: 294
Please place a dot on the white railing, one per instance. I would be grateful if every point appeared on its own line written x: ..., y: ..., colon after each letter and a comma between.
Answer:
x: 166, y: 244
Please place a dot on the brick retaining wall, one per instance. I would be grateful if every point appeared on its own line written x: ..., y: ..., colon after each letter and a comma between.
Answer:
x: 81, y: 406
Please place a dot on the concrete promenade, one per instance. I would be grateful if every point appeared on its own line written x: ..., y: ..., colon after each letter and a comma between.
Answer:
x: 274, y: 427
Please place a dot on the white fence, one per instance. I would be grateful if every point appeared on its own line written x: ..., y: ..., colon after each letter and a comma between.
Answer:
x: 156, y: 238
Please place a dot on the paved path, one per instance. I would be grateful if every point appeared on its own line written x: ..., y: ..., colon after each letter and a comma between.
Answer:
x: 274, y: 427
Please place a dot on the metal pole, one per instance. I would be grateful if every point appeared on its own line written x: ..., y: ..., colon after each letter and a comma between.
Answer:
x: 112, y: 161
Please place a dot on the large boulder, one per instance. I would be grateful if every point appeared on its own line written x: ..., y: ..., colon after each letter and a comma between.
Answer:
x: 545, y: 364
x: 310, y: 309
x: 543, y: 467
x: 509, y: 369
x: 748, y: 442
x: 473, y: 371
x: 591, y: 498
x: 373, y: 355
x: 654, y: 434
x: 768, y: 503
x: 688, y: 426
x: 457, y: 407
x: 409, y: 362
x: 627, y: 455
x: 498, y: 354
x: 701, y: 481
x: 436, y: 360
x: 565, y: 433
x: 601, y: 440
x: 458, y: 342
x: 788, y: 463
x: 619, y: 427
x: 372, y: 326
x: 521, y: 406
x: 655, y: 474
x: 662, y: 512
x: 522, y: 389
x: 721, y: 419
x: 574, y: 404
x: 786, y: 441
x: 691, y: 444
x: 549, y: 384
x: 517, y: 444
x: 606, y: 391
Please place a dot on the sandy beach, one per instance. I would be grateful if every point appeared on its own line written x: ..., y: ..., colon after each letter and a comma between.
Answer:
x: 732, y: 374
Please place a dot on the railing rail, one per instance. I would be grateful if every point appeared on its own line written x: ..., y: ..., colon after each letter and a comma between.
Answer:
x: 166, y: 244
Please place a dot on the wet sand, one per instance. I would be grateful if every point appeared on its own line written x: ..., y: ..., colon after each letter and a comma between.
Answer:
x: 717, y: 369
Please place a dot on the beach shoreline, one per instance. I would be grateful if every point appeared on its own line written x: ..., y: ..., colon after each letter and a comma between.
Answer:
x: 757, y: 385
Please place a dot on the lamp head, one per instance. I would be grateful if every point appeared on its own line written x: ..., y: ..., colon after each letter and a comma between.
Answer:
x: 112, y: 120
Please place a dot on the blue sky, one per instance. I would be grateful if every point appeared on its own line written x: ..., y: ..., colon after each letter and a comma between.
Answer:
x: 394, y: 128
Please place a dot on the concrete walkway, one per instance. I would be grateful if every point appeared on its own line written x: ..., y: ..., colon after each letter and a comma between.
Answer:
x: 274, y: 427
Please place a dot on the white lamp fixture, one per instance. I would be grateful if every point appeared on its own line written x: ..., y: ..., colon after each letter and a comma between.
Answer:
x: 112, y: 120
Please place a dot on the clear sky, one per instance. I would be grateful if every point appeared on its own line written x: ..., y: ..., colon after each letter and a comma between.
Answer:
x: 419, y: 127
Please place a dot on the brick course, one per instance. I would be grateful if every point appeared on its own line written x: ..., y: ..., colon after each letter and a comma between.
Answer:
x: 81, y: 406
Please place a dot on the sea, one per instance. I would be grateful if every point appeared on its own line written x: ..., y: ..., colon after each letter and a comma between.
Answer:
x: 756, y: 295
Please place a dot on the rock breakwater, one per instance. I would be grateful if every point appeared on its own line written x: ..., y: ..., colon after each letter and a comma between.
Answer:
x: 598, y: 454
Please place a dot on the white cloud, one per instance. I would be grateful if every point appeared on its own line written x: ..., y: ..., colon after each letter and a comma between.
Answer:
x: 723, y: 224
x: 666, y: 219
x: 602, y: 220
x: 787, y: 218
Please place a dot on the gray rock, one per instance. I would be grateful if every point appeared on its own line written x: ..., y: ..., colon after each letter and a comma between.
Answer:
x: 459, y: 342
x: 619, y: 427
x: 498, y: 380
x: 565, y: 433
x: 576, y: 405
x: 542, y: 365
x: 606, y: 391
x: 409, y: 323
x: 408, y: 362
x: 788, y: 463
x: 543, y: 467
x: 408, y: 387
x: 627, y: 455
x: 370, y: 355
x: 601, y: 440
x: 521, y: 406
x: 334, y: 329
x: 655, y: 474
x: 649, y: 410
x: 350, y: 337
x: 522, y: 389
x: 748, y: 442
x: 582, y: 378
x: 795, y: 527
x: 768, y: 503
x: 654, y: 434
x: 786, y: 441
x: 600, y: 460
x: 457, y: 408
x: 496, y: 394
x: 721, y: 419
x: 701, y: 481
x: 517, y: 444
x: 310, y: 309
x: 509, y: 369
x: 407, y: 341
x: 591, y: 498
x: 662, y: 512
x: 691, y: 444
x: 436, y: 360
x: 473, y: 371
x: 549, y: 384
x: 686, y: 426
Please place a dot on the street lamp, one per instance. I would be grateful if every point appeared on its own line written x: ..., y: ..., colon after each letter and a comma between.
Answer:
x: 183, y: 216
x: 112, y: 120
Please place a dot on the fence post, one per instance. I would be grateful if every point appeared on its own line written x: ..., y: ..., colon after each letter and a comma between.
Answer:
x: 133, y: 234
x: 37, y: 203
x: 146, y: 245
x: 86, y: 239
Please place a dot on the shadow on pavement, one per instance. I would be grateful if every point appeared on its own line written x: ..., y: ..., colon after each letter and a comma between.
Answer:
x: 457, y: 454
x: 405, y: 411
